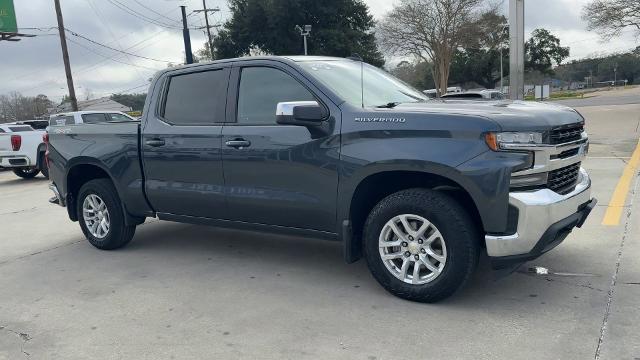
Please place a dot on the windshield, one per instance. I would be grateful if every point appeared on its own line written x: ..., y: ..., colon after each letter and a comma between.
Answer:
x: 344, y: 78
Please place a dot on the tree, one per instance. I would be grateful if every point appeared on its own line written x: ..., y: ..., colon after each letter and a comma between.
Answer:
x: 543, y: 50
x: 601, y: 68
x: 417, y: 74
x: 134, y: 101
x: 16, y: 107
x: 478, y: 60
x: 340, y: 28
x: 429, y: 30
x: 610, y: 17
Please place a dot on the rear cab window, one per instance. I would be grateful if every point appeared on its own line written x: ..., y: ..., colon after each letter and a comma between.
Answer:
x: 197, y: 98
x: 20, y: 128
x: 62, y: 120
x: 118, y: 117
x: 94, y: 118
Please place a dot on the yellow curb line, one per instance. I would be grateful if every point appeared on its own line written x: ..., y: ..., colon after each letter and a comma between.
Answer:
x: 616, y: 205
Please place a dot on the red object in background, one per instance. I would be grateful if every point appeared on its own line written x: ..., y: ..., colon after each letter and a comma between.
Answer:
x: 16, y: 142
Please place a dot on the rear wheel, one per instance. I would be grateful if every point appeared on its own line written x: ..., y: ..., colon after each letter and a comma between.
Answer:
x: 101, y: 216
x: 26, y: 173
x: 420, y: 245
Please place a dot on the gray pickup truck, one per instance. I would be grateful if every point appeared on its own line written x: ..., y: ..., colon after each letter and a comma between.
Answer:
x: 336, y: 149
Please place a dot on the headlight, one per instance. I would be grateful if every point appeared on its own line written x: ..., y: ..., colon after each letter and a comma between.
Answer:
x: 502, y: 140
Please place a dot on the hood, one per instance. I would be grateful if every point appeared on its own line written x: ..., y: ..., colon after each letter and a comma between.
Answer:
x: 509, y: 115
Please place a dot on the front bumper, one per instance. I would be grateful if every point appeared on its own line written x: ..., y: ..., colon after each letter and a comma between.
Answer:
x: 545, y: 218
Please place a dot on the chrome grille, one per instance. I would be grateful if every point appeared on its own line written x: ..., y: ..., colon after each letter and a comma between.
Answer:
x: 566, y: 134
x: 564, y: 180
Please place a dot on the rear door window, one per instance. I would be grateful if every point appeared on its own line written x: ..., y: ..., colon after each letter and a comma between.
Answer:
x: 94, y: 118
x: 196, y: 98
x: 20, y: 128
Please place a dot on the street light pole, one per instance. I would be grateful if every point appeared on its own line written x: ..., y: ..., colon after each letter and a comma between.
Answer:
x: 516, y: 49
x: 501, y: 55
x: 501, y: 72
x: 304, y: 33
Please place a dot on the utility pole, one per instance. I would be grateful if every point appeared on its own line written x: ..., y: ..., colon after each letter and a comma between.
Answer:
x: 185, y: 34
x: 206, y: 11
x: 615, y: 75
x: 516, y: 49
x: 65, y: 57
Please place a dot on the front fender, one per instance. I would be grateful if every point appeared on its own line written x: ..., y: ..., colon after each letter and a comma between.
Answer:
x: 466, y: 161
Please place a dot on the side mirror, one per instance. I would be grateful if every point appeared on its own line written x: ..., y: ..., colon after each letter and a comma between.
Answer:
x: 301, y: 113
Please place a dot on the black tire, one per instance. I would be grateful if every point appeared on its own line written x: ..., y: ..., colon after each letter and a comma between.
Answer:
x: 26, y: 173
x: 455, y: 226
x: 42, y: 165
x: 119, y: 234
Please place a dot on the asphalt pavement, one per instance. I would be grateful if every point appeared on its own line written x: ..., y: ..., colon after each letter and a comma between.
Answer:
x: 193, y: 292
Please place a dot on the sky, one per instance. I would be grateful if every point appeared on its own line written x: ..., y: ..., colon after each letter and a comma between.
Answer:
x: 34, y: 65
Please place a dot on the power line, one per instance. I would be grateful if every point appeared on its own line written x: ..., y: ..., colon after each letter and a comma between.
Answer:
x: 140, y: 16
x: 152, y: 10
x: 114, y: 49
x: 98, y: 13
x: 119, y: 54
x: 110, y: 58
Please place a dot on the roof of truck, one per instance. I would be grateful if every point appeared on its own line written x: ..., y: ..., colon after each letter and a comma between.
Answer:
x: 285, y: 58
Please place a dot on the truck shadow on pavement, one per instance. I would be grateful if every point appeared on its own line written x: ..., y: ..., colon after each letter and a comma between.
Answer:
x: 318, y: 263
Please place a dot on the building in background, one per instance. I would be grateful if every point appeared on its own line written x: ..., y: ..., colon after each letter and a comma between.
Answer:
x: 104, y: 104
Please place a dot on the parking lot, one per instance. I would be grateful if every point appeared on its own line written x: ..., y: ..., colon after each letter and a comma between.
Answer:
x: 185, y: 291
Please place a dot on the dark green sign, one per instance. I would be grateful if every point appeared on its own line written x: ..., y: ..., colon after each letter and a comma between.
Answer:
x: 8, y: 17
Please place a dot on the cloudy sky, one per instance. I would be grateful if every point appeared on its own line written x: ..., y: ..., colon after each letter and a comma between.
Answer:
x: 34, y: 65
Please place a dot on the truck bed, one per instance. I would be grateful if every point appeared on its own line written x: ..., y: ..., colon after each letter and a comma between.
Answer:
x: 111, y: 146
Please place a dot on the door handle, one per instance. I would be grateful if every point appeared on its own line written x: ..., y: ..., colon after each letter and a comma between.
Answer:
x: 154, y: 142
x: 238, y: 143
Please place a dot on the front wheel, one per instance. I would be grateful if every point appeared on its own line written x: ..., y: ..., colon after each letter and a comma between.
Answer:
x: 26, y: 173
x: 101, y: 216
x: 420, y: 244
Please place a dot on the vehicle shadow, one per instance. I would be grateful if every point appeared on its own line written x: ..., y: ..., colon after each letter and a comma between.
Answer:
x: 17, y: 181
x: 312, y: 260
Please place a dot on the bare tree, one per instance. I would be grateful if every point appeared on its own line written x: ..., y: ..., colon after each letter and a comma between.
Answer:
x: 610, y: 17
x: 16, y: 107
x: 429, y: 30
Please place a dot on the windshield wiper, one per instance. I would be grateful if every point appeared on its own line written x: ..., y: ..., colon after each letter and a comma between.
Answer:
x: 389, y: 105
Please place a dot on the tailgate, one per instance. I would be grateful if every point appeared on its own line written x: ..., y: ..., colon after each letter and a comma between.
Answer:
x: 5, y: 142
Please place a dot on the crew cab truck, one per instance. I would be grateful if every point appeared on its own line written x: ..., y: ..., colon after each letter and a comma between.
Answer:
x: 22, y: 150
x: 336, y: 149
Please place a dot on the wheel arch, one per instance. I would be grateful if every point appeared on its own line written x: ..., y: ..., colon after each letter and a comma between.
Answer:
x: 373, y: 187
x: 83, y: 171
